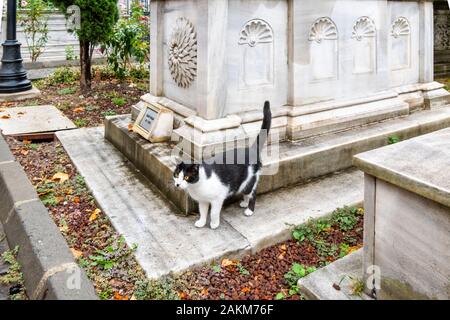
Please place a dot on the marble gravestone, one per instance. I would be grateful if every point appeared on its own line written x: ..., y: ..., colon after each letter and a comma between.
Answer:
x: 407, y: 217
x: 320, y: 63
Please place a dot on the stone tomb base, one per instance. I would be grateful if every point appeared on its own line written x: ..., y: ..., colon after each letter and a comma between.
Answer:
x: 297, y: 161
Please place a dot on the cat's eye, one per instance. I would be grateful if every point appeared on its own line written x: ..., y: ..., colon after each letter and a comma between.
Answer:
x: 186, y: 178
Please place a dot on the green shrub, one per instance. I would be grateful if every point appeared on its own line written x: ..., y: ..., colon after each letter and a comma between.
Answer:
x: 63, y: 75
x: 128, y: 42
x: 103, y: 72
x: 139, y: 73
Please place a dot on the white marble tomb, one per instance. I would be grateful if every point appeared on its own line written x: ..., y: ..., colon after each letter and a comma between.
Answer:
x: 214, y: 63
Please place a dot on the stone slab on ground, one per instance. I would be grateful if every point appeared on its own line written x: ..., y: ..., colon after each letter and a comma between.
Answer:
x: 295, y: 205
x: 168, y: 242
x: 33, y: 119
x: 319, y: 284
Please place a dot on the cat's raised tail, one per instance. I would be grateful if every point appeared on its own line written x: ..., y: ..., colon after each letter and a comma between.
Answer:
x: 265, y: 127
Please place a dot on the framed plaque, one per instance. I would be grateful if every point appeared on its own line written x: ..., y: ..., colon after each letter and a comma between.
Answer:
x: 154, y: 123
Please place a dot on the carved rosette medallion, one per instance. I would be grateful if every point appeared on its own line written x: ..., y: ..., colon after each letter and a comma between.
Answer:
x: 183, y: 53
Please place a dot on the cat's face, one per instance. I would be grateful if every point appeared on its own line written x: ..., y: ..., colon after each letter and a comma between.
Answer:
x: 185, y: 174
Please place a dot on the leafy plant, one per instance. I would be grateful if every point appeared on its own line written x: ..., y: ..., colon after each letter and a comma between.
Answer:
x: 91, y: 108
x: 63, y: 75
x: 32, y: 146
x: 47, y: 193
x: 393, y: 139
x: 139, y: 73
x: 346, y: 218
x: 80, y: 122
x: 113, y: 254
x: 106, y: 292
x: 70, y: 53
x: 297, y: 272
x: 66, y: 91
x: 304, y: 231
x: 316, y: 233
x: 128, y: 42
x: 242, y: 270
x: 120, y: 102
x: 280, y: 296
x: 217, y: 269
x: 102, y: 258
x: 109, y: 113
x: 357, y: 285
x: 14, y: 274
x: 344, y: 249
x: 34, y: 21
x: 162, y: 289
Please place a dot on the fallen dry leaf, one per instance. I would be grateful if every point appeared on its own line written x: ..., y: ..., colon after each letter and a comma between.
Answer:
x: 182, y: 295
x: 24, y: 152
x: 6, y: 116
x: 60, y: 177
x: 130, y: 127
x: 204, y: 292
x: 76, y: 199
x: 21, y: 113
x: 26, y: 141
x: 76, y: 253
x: 78, y: 110
x: 64, y: 228
x: 354, y: 248
x: 245, y: 290
x: 94, y: 214
x: 118, y: 296
x: 227, y: 262
x: 283, y: 247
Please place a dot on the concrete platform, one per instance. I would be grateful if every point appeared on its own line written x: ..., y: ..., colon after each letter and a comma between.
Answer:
x: 319, y: 284
x: 29, y: 94
x: 32, y: 120
x: 298, y: 162
x: 168, y: 242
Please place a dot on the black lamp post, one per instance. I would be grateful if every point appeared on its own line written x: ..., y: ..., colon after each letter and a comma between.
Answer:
x: 13, y: 76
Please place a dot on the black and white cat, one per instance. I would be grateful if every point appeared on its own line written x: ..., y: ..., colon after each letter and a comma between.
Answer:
x: 216, y: 179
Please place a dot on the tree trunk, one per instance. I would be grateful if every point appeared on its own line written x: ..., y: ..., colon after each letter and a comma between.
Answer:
x: 85, y: 64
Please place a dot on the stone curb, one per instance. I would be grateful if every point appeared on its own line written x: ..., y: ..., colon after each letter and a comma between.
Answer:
x: 49, y: 269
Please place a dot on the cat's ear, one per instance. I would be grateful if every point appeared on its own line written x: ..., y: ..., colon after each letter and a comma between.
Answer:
x: 193, y: 169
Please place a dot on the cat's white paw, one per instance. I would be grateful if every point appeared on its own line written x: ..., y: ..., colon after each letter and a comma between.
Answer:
x: 200, y: 223
x: 248, y: 212
x: 243, y: 204
x: 214, y: 225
